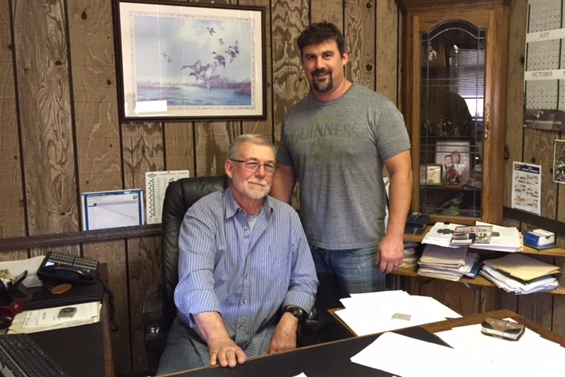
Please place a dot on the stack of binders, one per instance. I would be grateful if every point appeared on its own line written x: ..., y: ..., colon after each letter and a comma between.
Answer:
x: 520, y: 274
x: 447, y: 263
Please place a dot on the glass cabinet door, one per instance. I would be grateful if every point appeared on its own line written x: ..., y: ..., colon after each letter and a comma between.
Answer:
x: 451, y: 132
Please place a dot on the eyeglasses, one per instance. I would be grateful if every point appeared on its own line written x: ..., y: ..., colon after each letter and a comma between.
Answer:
x: 253, y: 165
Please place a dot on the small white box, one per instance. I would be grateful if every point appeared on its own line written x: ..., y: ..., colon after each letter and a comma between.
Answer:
x: 539, y: 237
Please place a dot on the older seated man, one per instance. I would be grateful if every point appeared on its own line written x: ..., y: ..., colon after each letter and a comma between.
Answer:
x: 246, y: 275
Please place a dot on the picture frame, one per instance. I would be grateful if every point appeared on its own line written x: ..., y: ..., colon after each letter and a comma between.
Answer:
x: 431, y: 175
x: 454, y: 156
x: 183, y: 61
x: 559, y: 161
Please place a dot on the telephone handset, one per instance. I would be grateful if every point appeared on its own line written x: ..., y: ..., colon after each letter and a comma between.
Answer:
x: 63, y: 268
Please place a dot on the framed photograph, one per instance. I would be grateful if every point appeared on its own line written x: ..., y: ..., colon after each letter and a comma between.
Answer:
x: 453, y: 156
x: 180, y: 60
x: 559, y: 161
x: 430, y: 174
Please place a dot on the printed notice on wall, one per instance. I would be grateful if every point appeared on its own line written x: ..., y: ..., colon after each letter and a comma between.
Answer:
x: 526, y: 187
x: 156, y: 183
x: 544, y: 76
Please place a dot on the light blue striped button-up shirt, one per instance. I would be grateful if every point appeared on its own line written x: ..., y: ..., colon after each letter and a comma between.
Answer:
x: 247, y: 275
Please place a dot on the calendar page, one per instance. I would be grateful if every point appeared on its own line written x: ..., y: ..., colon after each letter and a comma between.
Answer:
x: 544, y: 76
x: 156, y: 183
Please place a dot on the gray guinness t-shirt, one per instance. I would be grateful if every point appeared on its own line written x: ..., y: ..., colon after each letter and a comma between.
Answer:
x: 337, y: 150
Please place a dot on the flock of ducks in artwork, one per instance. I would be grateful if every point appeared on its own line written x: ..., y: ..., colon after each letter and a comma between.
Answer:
x: 207, y: 72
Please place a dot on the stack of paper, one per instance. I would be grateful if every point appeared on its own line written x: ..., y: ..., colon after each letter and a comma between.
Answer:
x: 440, y: 234
x: 520, y: 274
x: 410, y: 257
x: 374, y: 312
x: 507, y: 239
x: 31, y: 321
x: 474, y: 234
x: 480, y: 236
x: 446, y: 262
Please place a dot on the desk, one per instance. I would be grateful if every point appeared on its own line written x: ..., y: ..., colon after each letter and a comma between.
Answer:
x: 79, y: 350
x: 86, y: 350
x: 333, y: 359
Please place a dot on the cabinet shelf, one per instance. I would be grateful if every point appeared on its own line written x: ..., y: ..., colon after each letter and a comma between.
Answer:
x: 555, y: 252
x: 477, y: 281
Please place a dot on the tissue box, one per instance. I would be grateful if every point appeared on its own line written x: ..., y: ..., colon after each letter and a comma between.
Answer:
x: 539, y: 238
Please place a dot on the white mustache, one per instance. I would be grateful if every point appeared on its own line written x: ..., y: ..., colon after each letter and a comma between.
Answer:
x: 260, y: 183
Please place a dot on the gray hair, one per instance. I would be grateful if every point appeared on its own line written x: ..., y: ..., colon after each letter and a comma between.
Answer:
x: 256, y: 139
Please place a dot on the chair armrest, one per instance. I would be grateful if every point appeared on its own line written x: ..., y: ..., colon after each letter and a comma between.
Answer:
x: 153, y: 319
x: 308, y: 329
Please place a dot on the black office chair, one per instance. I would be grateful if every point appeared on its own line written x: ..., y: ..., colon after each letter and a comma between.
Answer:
x: 159, y: 308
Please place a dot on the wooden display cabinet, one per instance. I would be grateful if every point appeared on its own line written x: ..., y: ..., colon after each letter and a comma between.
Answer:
x: 454, y: 57
x: 454, y: 80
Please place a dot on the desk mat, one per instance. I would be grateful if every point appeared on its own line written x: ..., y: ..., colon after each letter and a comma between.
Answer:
x: 326, y: 360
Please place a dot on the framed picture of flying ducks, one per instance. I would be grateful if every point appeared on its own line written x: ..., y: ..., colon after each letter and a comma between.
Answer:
x: 181, y: 61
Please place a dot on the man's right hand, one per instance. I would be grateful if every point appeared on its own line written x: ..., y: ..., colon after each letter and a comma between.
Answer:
x: 226, y: 353
x: 223, y: 350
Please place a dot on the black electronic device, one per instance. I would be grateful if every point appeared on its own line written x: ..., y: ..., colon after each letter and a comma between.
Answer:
x: 63, y: 268
x: 502, y: 328
x: 20, y: 355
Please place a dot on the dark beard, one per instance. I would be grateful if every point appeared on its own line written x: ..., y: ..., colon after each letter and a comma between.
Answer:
x: 322, y: 87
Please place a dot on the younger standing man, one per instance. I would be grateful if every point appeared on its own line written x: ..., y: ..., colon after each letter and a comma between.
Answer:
x: 246, y: 275
x: 335, y: 142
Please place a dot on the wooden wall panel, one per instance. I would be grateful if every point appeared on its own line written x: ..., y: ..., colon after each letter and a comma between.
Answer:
x: 113, y: 254
x: 94, y: 96
x: 360, y: 36
x: 466, y: 300
x: 143, y: 269
x: 45, y: 114
x: 179, y: 146
x: 12, y: 210
x: 329, y: 10
x: 212, y: 142
x: 142, y: 152
x: 99, y: 163
x: 537, y: 307
x: 289, y: 18
x: 387, y: 65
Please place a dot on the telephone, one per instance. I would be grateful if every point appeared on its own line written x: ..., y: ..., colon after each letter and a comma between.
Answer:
x: 63, y: 268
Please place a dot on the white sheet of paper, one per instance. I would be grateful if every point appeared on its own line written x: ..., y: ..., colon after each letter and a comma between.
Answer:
x: 515, y: 358
x: 390, y: 352
x: 371, y: 314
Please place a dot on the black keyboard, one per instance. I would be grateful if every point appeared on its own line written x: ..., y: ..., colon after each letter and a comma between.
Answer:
x: 21, y: 356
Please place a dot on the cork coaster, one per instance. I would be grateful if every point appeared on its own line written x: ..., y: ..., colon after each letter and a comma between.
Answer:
x: 61, y: 288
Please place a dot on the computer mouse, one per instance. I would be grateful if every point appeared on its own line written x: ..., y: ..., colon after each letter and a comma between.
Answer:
x: 5, y: 323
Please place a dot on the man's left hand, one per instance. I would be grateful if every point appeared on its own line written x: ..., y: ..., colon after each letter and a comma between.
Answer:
x: 284, y: 337
x: 390, y: 254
